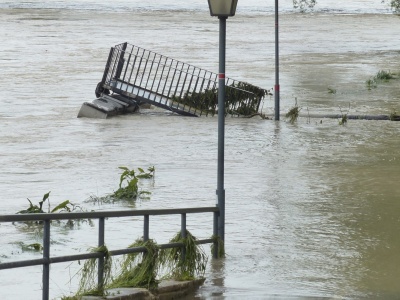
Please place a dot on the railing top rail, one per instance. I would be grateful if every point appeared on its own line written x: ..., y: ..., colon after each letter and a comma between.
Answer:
x: 104, y: 214
x: 149, y: 51
x: 117, y: 47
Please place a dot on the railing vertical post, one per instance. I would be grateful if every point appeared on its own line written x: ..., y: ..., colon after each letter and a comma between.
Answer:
x: 121, y: 61
x: 100, y: 271
x: 46, y: 258
x: 183, y: 233
x: 146, y: 226
x: 215, y: 234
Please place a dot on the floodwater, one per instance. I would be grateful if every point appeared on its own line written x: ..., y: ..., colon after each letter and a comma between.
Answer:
x: 313, y: 209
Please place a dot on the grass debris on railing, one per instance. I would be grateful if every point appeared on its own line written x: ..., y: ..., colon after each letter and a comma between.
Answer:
x: 184, y: 263
x: 204, y: 101
x: 139, y: 269
x: 88, y: 284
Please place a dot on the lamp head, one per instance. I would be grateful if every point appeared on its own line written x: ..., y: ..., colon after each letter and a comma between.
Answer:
x: 222, y: 8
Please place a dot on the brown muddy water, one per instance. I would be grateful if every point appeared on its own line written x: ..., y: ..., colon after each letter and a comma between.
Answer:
x: 313, y: 209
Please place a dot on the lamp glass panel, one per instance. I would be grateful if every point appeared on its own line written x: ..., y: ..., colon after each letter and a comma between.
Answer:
x: 222, y: 7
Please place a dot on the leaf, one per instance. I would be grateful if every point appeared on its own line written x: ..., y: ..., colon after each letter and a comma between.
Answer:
x: 141, y: 170
x: 62, y: 205
x: 144, y: 176
x: 123, y: 168
x: 46, y: 196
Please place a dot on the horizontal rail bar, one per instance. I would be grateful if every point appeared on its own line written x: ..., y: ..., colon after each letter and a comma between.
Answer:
x: 104, y: 214
x: 68, y: 258
x: 22, y: 263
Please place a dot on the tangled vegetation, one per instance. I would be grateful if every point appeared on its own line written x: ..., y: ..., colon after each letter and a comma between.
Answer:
x: 241, y: 98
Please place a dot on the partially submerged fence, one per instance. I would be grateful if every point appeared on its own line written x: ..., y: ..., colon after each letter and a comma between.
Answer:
x: 47, y: 259
x: 146, y: 76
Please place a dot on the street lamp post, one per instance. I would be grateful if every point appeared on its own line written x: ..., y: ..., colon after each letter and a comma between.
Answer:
x: 277, y: 87
x: 221, y: 9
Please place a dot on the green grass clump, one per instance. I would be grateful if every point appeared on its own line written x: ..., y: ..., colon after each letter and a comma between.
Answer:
x: 384, y: 75
x: 184, y: 263
x: 379, y: 77
x: 293, y: 113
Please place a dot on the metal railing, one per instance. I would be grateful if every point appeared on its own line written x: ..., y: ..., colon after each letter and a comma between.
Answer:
x: 46, y: 218
x: 147, y: 76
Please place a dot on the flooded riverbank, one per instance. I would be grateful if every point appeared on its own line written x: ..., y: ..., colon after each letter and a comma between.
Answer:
x: 312, y: 208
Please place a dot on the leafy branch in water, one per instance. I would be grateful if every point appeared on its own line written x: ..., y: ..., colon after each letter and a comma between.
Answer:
x: 184, y: 263
x: 129, y: 183
x: 65, y: 206
x: 35, y: 209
